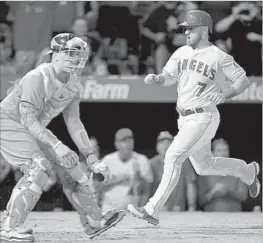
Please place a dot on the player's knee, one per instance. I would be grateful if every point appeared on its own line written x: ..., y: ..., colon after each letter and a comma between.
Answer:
x: 201, y: 170
x: 173, y: 156
x: 43, y: 163
x: 40, y: 173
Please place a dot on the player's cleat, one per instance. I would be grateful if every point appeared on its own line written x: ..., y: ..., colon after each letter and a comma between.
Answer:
x: 254, y: 188
x: 25, y: 231
x: 20, y: 230
x: 109, y: 223
x: 141, y: 213
x: 15, y: 236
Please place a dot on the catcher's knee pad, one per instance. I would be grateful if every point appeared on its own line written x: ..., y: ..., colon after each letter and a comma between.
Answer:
x: 39, y: 172
x: 84, y: 201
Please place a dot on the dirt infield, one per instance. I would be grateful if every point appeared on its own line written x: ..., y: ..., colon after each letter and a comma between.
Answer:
x: 174, y: 228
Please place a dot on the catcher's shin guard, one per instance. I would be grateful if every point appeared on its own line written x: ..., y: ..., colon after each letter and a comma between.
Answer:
x: 26, y: 194
x: 84, y: 201
x: 79, y: 193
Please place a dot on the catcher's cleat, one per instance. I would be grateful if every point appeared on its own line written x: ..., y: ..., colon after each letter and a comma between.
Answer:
x: 109, y: 223
x: 15, y: 236
x: 254, y: 188
x: 20, y: 230
x: 141, y: 213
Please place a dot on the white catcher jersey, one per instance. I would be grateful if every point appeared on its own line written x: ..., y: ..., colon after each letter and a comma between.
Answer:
x: 199, y: 72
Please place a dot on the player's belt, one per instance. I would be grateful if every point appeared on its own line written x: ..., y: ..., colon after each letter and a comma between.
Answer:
x: 190, y: 111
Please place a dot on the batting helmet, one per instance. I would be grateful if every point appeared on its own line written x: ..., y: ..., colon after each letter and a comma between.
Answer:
x: 197, y: 18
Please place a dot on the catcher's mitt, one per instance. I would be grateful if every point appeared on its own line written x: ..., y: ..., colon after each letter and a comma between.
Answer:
x: 100, y: 173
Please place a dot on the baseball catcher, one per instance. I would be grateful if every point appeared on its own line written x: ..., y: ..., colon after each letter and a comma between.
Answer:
x: 35, y: 100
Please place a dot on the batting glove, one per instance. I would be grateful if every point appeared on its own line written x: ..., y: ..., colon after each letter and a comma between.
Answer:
x: 151, y: 78
x: 216, y: 98
x: 65, y: 156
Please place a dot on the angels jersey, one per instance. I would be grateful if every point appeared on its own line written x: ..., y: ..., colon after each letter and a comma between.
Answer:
x: 199, y: 72
x: 41, y: 88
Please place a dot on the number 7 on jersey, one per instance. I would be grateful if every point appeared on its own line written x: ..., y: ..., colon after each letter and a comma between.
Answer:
x: 202, y: 88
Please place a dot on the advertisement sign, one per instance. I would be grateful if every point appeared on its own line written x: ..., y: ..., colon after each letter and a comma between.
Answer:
x: 125, y: 89
x: 132, y: 89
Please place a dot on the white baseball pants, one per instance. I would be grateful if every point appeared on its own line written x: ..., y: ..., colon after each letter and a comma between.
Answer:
x: 193, y: 141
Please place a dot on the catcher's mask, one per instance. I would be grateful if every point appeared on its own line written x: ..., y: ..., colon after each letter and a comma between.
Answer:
x: 77, y: 50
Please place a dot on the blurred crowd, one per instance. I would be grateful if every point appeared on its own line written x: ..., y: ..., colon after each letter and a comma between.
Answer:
x: 126, y: 37
x: 135, y: 178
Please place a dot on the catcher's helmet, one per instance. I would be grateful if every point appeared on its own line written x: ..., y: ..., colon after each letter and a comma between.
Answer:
x: 75, y: 48
x: 197, y: 18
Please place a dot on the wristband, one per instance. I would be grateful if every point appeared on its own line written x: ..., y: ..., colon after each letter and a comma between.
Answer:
x: 86, y: 152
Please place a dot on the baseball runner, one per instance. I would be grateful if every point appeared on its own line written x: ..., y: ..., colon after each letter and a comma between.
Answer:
x: 199, y: 70
x: 41, y: 95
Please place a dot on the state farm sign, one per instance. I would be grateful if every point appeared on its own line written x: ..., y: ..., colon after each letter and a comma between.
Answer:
x: 125, y: 89
x: 95, y: 91
x: 133, y: 89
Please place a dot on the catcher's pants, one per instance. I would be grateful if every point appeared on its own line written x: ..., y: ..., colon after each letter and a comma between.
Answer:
x: 18, y: 146
x: 194, y: 141
x: 20, y: 149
